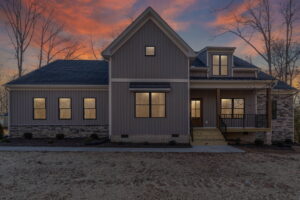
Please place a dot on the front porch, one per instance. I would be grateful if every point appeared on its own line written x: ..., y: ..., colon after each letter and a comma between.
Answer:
x: 234, y: 112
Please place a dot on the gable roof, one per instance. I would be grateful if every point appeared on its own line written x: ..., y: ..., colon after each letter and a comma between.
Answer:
x: 67, y: 72
x: 148, y: 14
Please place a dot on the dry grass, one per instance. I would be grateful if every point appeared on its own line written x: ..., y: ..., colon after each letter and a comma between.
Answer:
x: 34, y: 175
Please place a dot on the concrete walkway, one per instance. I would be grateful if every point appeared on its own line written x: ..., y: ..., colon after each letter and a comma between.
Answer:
x: 197, y: 149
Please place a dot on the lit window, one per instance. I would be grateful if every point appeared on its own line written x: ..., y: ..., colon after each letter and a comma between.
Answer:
x: 150, y: 51
x: 65, y: 108
x: 220, y: 65
x: 196, y: 108
x: 39, y: 108
x: 232, y: 108
x: 150, y: 105
x: 89, y: 108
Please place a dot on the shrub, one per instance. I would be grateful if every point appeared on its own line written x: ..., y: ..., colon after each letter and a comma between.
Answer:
x: 259, y: 142
x: 50, y: 142
x: 5, y: 140
x: 60, y: 136
x: 1, y: 132
x: 27, y: 136
x: 238, y: 141
x: 87, y: 141
x: 94, y: 136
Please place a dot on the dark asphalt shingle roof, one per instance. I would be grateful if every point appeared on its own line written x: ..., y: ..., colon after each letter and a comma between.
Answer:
x: 95, y: 72
x: 198, y: 63
x: 283, y: 86
x: 67, y: 72
x: 240, y: 63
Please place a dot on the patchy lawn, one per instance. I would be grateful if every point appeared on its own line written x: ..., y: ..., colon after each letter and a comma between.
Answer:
x: 32, y: 175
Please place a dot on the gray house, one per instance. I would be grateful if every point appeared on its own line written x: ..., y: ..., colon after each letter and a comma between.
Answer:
x: 152, y: 87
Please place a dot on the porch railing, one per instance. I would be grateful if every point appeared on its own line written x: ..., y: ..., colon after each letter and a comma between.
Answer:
x: 244, y: 120
x: 222, y: 126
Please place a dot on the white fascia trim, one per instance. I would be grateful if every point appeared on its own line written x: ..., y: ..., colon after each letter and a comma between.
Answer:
x: 231, y: 81
x: 148, y: 14
x: 229, y: 85
x: 126, y: 80
x: 109, y: 101
x: 279, y: 92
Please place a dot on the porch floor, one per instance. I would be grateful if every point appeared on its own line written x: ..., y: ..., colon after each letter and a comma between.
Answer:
x: 246, y: 129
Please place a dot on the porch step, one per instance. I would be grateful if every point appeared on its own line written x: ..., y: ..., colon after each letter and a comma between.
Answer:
x: 208, y: 136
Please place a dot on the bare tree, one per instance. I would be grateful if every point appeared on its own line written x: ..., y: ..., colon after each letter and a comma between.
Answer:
x: 21, y: 19
x: 286, y: 51
x: 255, y: 21
x: 48, y: 29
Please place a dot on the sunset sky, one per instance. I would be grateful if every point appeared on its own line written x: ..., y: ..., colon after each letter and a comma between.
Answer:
x: 196, y: 21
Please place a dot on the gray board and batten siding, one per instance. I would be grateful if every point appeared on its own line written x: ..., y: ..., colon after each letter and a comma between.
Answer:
x: 130, y: 63
x: 21, y: 106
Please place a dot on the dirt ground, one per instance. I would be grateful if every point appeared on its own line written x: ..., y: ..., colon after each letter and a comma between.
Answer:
x: 87, y: 175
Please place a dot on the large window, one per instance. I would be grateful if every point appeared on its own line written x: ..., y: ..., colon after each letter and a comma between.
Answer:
x: 150, y: 51
x: 89, y: 108
x: 220, y: 65
x: 232, y: 108
x: 150, y: 104
x: 65, y: 108
x: 39, y: 108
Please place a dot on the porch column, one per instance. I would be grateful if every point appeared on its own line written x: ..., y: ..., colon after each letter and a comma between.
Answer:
x: 269, y: 107
x: 218, y: 107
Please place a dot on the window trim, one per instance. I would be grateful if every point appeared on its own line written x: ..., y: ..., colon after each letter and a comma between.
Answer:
x: 220, y: 65
x: 39, y: 108
x: 150, y: 105
x: 65, y: 108
x: 96, y: 116
x: 146, y: 50
x: 232, y: 108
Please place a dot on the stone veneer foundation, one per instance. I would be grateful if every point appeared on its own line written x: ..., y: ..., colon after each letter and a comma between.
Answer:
x: 182, y: 139
x: 51, y: 131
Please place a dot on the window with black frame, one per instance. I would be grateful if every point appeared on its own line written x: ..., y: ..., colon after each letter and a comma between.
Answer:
x: 65, y: 108
x: 150, y: 105
x: 219, y: 65
x: 232, y: 108
x: 39, y: 109
x: 89, y: 108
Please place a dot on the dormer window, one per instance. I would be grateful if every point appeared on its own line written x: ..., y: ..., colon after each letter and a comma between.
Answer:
x: 149, y: 51
x: 220, y: 65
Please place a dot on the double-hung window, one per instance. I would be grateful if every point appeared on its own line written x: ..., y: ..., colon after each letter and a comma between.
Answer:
x: 39, y: 109
x: 150, y: 104
x: 232, y: 108
x: 220, y: 65
x: 65, y: 108
x: 89, y: 108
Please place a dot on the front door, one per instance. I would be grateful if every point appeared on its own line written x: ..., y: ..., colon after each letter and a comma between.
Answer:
x: 196, y: 112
